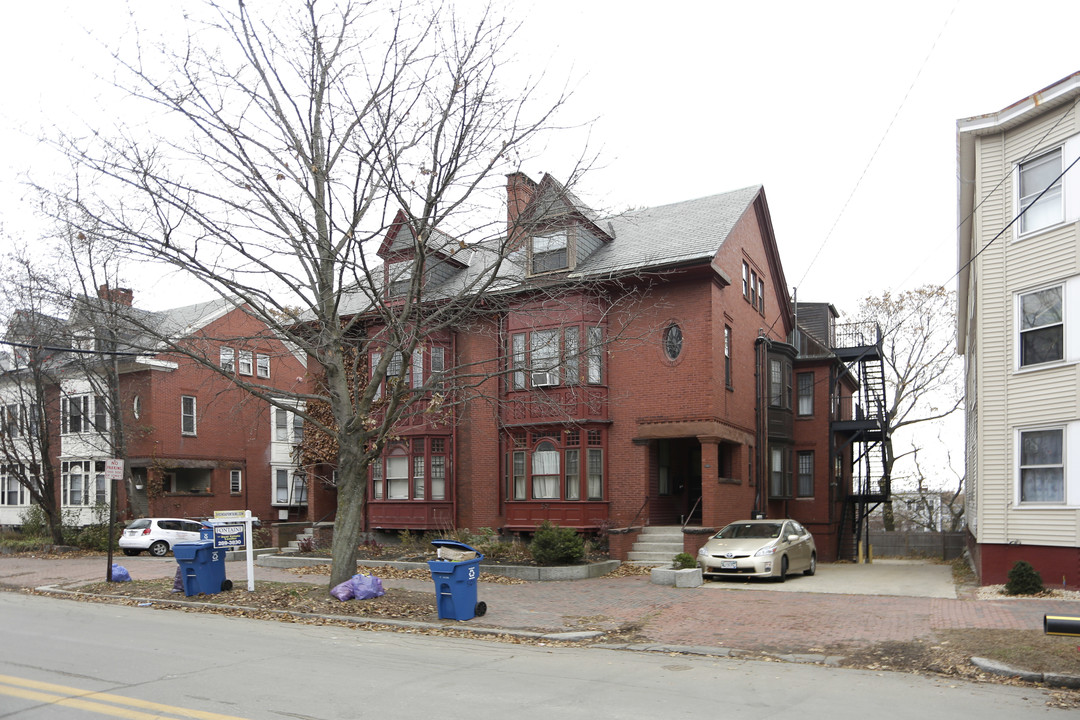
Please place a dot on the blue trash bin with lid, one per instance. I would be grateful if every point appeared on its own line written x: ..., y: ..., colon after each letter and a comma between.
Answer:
x: 455, y: 582
x: 201, y: 567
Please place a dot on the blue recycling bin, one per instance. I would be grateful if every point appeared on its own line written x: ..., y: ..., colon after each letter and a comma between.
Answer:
x: 202, y: 567
x: 455, y: 583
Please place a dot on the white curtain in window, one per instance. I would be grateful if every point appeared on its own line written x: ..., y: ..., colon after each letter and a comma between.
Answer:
x: 397, y: 478
x: 545, y: 468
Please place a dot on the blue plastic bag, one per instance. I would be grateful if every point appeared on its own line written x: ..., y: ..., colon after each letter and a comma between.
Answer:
x: 119, y: 573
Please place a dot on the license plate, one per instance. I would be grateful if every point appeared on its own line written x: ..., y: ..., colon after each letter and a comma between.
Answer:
x: 728, y: 565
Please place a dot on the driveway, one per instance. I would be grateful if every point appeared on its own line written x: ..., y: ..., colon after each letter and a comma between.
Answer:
x: 902, y: 578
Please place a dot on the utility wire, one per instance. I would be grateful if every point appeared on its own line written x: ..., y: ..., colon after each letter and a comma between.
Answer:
x: 881, y: 142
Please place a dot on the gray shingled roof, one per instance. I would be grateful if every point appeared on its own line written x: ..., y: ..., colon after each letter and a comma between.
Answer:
x: 669, y: 234
x: 653, y: 238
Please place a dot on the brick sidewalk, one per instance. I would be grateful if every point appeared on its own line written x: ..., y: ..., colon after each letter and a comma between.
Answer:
x: 742, y: 618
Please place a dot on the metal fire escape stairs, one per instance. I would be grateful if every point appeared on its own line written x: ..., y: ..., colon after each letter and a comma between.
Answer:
x: 860, y: 432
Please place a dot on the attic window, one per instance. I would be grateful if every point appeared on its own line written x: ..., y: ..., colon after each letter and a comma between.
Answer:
x: 550, y: 252
x: 400, y: 278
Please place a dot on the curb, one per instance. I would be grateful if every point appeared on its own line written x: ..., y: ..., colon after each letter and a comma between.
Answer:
x: 521, y: 572
x: 1052, y: 679
x: 354, y: 620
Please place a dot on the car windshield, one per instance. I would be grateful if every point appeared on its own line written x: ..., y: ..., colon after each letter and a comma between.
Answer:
x: 140, y: 523
x: 750, y: 530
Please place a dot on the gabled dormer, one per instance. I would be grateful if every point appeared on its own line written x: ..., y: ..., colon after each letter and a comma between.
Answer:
x: 402, y: 250
x: 554, y: 228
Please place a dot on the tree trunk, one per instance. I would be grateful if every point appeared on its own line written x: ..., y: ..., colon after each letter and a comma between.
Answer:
x: 352, y: 488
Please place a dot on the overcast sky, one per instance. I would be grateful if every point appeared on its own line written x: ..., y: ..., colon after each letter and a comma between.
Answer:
x: 845, y: 112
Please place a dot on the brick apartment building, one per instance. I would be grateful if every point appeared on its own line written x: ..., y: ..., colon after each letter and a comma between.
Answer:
x: 194, y: 442
x: 644, y: 369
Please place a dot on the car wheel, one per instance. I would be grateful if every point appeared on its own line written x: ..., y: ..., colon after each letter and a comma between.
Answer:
x: 813, y: 565
x: 159, y: 548
x: 131, y: 552
x: 783, y: 570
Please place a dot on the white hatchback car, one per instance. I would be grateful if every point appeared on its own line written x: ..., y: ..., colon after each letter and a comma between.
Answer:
x: 157, y: 535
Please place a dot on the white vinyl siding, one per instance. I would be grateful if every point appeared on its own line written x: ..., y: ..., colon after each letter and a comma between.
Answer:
x: 1004, y: 398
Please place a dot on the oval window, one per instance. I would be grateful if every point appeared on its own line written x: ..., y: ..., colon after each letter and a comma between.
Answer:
x: 136, y: 407
x: 673, y: 341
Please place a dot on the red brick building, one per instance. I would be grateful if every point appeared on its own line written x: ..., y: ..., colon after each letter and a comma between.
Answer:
x: 643, y: 369
x: 194, y: 442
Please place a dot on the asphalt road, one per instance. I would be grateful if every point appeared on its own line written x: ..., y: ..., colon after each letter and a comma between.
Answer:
x: 65, y: 660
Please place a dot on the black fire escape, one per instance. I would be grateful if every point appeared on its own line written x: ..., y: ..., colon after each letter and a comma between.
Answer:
x: 860, y: 430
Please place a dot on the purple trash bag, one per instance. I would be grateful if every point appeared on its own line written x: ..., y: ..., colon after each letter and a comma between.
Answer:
x: 344, y: 591
x: 119, y: 573
x: 366, y: 587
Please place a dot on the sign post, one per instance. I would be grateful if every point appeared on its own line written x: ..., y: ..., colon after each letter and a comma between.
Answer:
x: 232, y: 529
x: 114, y: 470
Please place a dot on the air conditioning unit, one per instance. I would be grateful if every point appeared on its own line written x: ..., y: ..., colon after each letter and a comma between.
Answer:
x: 544, y: 378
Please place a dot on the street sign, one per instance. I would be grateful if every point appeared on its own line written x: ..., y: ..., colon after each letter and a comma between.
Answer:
x: 114, y: 469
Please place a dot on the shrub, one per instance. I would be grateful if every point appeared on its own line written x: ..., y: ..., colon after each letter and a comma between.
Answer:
x: 684, y: 561
x: 1024, y: 580
x: 554, y: 545
x: 33, y: 522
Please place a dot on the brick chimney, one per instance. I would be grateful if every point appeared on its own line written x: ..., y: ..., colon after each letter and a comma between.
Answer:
x: 520, y: 190
x: 120, y: 296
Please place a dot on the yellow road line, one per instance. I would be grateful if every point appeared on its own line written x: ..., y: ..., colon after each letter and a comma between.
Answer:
x: 95, y: 701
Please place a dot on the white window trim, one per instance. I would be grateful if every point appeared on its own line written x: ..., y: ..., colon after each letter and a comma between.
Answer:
x: 194, y: 416
x: 1071, y: 448
x: 1070, y: 302
x: 262, y: 365
x: 227, y: 358
x: 1019, y: 203
x: 236, y: 482
x: 245, y: 363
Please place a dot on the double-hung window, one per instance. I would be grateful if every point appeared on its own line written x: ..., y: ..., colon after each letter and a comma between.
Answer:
x: 82, y: 414
x: 550, y: 252
x: 244, y: 366
x: 1040, y: 188
x: 262, y: 365
x: 727, y: 357
x: 83, y: 482
x: 1042, y: 327
x: 12, y: 491
x: 1042, y: 466
x: 400, y: 277
x: 545, y: 358
x: 187, y: 415
x: 412, y: 469
x: 805, y: 485
x: 235, y: 482
x: 805, y: 383
x: 227, y: 359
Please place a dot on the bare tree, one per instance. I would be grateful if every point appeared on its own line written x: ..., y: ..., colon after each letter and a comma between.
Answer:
x: 287, y: 140
x: 29, y: 403
x: 924, y: 376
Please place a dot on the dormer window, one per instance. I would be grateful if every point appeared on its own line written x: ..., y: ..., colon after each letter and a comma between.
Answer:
x: 400, y: 278
x: 550, y: 252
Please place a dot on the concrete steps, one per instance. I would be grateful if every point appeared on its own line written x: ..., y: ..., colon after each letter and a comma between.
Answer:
x: 656, y: 546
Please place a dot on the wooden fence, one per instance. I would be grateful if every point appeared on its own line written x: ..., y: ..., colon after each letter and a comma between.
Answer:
x: 944, y: 545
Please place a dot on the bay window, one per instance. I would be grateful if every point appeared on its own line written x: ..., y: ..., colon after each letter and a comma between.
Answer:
x: 551, y: 356
x: 83, y: 482
x: 412, y: 469
x: 553, y: 465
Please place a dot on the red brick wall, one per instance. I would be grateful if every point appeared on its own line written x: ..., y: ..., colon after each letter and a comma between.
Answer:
x: 993, y: 563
